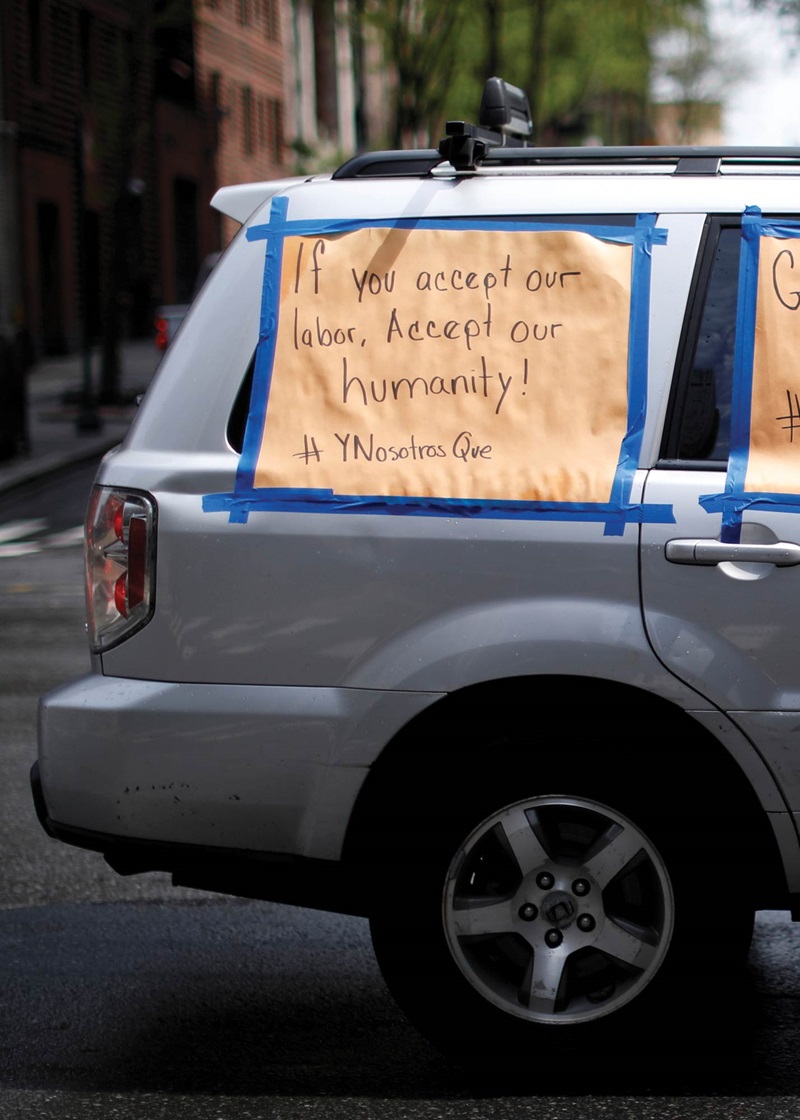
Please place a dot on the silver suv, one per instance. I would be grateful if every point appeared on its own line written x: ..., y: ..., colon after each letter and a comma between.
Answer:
x: 446, y: 577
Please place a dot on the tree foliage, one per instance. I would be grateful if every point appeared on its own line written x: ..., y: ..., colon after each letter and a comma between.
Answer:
x: 587, y: 65
x: 420, y: 39
x: 694, y: 68
x: 789, y: 8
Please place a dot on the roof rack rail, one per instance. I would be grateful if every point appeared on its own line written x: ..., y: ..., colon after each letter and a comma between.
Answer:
x: 687, y: 160
x: 373, y: 165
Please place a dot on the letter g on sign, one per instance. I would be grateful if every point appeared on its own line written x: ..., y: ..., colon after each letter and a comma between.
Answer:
x: 776, y: 281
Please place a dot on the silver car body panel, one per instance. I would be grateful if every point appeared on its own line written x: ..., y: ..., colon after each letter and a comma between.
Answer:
x: 257, y: 769
x: 297, y: 644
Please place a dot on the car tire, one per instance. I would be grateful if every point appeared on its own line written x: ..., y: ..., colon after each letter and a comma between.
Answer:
x: 561, y: 920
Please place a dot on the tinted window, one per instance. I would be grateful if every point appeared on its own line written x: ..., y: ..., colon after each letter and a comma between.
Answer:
x: 705, y: 409
x: 237, y: 421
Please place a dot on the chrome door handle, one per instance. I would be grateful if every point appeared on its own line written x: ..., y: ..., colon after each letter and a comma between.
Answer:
x: 702, y: 551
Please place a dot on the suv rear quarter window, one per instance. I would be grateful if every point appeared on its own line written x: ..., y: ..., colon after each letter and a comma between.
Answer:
x: 701, y: 406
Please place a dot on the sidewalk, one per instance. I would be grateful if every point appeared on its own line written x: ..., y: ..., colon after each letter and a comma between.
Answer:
x: 55, y: 439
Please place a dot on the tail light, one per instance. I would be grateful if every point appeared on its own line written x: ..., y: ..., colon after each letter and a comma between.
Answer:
x: 162, y: 333
x: 120, y: 565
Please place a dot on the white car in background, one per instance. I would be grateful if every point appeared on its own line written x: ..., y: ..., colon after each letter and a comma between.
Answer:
x: 169, y: 316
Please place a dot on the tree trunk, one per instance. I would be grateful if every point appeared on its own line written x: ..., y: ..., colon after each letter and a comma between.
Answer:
x: 537, y: 73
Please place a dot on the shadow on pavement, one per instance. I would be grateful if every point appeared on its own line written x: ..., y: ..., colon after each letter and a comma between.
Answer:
x: 232, y: 997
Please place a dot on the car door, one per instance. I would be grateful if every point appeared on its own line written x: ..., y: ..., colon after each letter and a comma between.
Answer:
x: 721, y: 597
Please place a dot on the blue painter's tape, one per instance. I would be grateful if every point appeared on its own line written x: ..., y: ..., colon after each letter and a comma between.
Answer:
x: 330, y: 227
x: 637, y: 358
x: 321, y: 501
x: 616, y: 513
x: 742, y: 372
x: 735, y: 499
x: 736, y: 504
x: 265, y: 352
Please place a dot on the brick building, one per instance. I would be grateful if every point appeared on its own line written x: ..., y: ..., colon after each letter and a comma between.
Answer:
x: 239, y: 51
x: 118, y: 120
x: 64, y: 76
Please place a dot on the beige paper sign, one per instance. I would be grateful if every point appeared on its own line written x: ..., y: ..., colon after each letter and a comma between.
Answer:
x: 450, y: 364
x: 773, y: 464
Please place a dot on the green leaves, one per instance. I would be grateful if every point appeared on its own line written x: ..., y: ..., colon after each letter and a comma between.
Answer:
x: 587, y: 65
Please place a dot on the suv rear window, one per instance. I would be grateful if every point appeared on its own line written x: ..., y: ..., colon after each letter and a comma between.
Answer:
x: 237, y: 421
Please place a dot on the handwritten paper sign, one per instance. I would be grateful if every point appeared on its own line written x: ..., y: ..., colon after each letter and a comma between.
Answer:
x: 773, y: 464
x: 488, y: 364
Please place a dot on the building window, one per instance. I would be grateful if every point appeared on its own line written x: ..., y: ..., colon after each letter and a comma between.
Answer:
x: 244, y: 12
x: 215, y: 94
x: 35, y: 41
x: 85, y: 46
x: 184, y: 203
x: 247, y: 120
x: 262, y: 122
x: 123, y: 58
x: 275, y: 127
x: 227, y: 94
x: 272, y: 27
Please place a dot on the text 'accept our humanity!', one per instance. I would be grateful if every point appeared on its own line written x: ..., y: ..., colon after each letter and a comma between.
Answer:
x: 480, y: 364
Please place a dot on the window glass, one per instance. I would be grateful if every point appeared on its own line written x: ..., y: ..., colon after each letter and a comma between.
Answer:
x: 706, y: 419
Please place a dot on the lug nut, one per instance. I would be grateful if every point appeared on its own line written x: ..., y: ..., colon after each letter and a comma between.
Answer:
x: 553, y: 938
x: 528, y: 912
x: 580, y: 887
x: 545, y: 880
x: 586, y: 923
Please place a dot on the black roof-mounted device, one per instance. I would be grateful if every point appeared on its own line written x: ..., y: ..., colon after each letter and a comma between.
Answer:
x: 506, y: 109
x: 505, y: 121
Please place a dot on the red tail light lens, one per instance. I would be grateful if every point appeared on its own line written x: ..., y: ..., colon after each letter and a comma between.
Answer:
x: 162, y: 333
x: 120, y: 564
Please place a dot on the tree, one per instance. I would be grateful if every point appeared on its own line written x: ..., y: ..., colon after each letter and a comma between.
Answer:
x: 693, y: 69
x: 789, y: 8
x: 420, y: 40
x: 587, y: 65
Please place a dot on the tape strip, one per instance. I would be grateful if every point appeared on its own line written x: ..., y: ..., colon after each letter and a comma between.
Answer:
x: 735, y: 500
x: 265, y: 352
x: 239, y: 505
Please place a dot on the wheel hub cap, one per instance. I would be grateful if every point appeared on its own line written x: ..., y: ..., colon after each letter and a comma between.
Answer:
x: 558, y: 910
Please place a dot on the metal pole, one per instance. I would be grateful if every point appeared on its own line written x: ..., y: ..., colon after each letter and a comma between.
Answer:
x: 88, y: 419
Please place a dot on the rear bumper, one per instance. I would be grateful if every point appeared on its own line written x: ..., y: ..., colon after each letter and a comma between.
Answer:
x: 237, y: 769
x: 321, y: 884
x: 38, y: 800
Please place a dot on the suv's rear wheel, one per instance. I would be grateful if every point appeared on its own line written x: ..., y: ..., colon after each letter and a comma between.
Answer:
x: 556, y: 911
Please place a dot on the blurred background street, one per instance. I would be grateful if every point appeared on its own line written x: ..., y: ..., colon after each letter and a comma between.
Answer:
x: 118, y: 122
x: 125, y: 997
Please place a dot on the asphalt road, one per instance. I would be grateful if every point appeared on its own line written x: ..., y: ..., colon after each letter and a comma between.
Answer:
x: 126, y: 998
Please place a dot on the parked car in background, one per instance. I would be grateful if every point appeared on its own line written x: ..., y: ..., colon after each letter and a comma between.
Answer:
x: 169, y: 316
x: 448, y: 576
